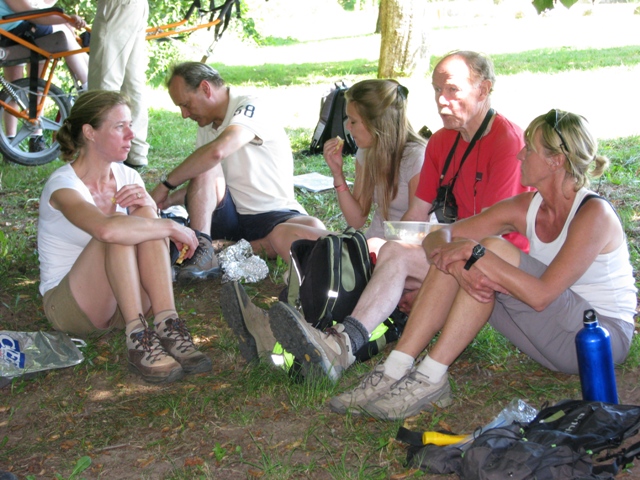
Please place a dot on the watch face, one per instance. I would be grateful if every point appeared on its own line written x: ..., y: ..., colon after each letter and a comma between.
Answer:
x: 478, y: 251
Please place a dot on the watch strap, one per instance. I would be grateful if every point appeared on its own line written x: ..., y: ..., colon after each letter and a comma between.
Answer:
x: 167, y: 184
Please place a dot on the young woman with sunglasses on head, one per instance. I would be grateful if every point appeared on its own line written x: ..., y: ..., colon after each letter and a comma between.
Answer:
x: 578, y: 260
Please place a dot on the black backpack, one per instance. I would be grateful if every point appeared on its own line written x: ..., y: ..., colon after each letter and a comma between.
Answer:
x: 563, y: 441
x: 328, y: 276
x: 333, y: 117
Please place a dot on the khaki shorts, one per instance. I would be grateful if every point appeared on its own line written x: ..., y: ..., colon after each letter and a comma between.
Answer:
x: 65, y: 314
x: 548, y: 337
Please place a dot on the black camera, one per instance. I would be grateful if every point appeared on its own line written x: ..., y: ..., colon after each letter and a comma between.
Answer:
x: 445, y: 206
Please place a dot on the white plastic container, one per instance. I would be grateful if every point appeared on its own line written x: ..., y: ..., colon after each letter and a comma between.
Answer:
x: 408, y: 232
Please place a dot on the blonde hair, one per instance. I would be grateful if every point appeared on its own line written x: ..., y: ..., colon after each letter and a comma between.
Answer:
x: 568, y: 134
x: 90, y: 108
x: 382, y: 105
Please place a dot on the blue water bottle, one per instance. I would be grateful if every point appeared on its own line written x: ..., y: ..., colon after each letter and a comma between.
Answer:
x: 595, y: 361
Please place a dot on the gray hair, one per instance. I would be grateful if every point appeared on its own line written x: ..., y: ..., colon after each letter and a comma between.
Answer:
x: 193, y: 73
x: 480, y: 65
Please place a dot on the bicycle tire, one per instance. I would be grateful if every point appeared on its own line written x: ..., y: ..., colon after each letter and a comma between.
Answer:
x: 56, y: 110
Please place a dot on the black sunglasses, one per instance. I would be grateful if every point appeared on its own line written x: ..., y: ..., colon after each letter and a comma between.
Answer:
x: 552, y: 120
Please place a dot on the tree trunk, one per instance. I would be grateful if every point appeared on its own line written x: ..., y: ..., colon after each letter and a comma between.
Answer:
x: 404, y: 47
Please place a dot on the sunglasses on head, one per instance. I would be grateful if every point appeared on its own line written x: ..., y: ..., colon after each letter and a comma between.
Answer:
x: 552, y: 120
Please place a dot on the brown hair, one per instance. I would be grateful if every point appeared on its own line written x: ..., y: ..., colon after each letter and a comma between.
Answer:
x: 382, y: 104
x: 90, y: 108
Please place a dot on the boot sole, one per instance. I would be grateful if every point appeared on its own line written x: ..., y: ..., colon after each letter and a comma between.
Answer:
x: 185, y: 277
x: 293, y: 337
x: 174, y: 375
x: 204, y: 365
x: 230, y: 303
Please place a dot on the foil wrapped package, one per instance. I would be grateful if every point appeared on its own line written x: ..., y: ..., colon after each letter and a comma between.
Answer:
x: 23, y: 353
x: 238, y: 262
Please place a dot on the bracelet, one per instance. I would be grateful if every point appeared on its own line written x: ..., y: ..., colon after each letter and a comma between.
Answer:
x: 341, y: 188
x: 164, y: 181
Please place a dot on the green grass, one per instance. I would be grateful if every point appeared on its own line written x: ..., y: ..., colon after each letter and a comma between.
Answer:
x: 543, y: 61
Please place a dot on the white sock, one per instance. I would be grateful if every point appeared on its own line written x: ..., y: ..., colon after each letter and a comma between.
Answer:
x: 398, y: 364
x: 432, y: 369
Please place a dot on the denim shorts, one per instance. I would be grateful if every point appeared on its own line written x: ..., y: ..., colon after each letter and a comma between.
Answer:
x: 228, y: 224
x: 37, y: 31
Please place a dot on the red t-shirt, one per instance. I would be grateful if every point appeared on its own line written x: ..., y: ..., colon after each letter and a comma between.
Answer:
x: 490, y: 173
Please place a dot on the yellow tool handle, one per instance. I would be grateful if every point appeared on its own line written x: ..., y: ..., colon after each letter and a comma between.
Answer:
x: 441, y: 439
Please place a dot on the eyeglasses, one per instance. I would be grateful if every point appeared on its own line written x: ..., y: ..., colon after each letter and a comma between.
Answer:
x: 552, y: 120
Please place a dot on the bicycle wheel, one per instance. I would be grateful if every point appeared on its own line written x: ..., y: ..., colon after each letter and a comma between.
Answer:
x: 34, y: 144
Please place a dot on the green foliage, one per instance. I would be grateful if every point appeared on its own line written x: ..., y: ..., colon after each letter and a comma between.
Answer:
x: 544, y: 5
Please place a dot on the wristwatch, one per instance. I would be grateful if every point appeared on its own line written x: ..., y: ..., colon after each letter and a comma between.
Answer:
x: 164, y: 181
x: 476, y: 254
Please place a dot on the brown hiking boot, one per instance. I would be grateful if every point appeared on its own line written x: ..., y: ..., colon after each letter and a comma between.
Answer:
x: 203, y: 264
x: 248, y: 322
x: 177, y: 341
x: 148, y: 358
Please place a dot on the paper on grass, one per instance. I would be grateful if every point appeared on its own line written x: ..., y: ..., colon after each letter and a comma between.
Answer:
x: 314, y: 182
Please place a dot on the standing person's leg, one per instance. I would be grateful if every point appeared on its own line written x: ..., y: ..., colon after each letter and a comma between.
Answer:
x: 135, y: 81
x: 108, y: 57
x: 112, y: 47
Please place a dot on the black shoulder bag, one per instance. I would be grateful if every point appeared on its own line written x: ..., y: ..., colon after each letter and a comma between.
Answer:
x: 445, y: 205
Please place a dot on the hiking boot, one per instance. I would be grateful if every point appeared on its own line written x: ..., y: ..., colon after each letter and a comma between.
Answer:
x: 374, y: 385
x: 203, y: 264
x: 37, y: 144
x: 328, y: 351
x: 409, y: 396
x: 248, y: 322
x: 149, y: 359
x: 177, y: 341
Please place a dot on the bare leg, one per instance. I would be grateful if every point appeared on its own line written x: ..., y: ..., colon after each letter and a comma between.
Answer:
x: 109, y: 275
x: 279, y: 241
x: 12, y: 74
x: 91, y: 285
x: 78, y: 63
x: 375, y: 244
x: 203, y: 195
x: 441, y: 305
x: 399, y: 266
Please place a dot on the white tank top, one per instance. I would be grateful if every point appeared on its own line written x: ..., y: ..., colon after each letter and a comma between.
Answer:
x: 608, y: 284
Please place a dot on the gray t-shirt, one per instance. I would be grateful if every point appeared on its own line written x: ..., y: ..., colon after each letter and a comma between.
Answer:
x: 411, y: 165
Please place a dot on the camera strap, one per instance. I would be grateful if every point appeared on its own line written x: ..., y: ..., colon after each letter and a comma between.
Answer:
x: 475, y: 138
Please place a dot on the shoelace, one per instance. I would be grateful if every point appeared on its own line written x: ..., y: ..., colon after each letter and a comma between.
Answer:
x: 331, y: 332
x: 178, y: 329
x: 374, y: 378
x: 405, y: 383
x: 149, y: 341
x: 201, y: 251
